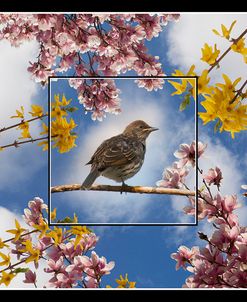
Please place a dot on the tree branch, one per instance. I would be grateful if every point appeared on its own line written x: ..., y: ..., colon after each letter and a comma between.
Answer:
x: 22, y: 122
x: 235, y: 41
x: 238, y: 92
x: 17, y: 143
x: 129, y: 189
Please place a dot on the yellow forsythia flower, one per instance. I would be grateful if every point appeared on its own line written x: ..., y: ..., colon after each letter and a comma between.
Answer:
x: 229, y: 87
x: 79, y: 231
x: 124, y: 282
x: 45, y: 128
x: 6, y: 278
x: 57, y: 235
x: 240, y: 48
x: 57, y: 112
x: 208, y: 55
x: 42, y: 227
x: 203, y: 81
x: 61, y: 134
x: 225, y: 33
x: 20, y: 113
x: 2, y: 244
x: 18, y: 231
x: 36, y: 110
x: 53, y: 214
x: 25, y: 130
x: 232, y: 117
x: 34, y: 253
x: 6, y: 259
x: 181, y: 87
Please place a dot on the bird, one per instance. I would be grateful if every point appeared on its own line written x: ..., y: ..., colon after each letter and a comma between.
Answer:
x: 120, y: 157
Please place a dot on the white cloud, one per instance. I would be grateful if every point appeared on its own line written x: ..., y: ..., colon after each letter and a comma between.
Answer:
x: 8, y: 222
x: 17, y: 89
x: 186, y: 38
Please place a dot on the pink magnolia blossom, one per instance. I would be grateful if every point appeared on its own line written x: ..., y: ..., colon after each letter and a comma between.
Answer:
x: 32, y: 215
x: 55, y: 266
x: 30, y: 277
x: 186, y: 153
x: 214, y: 176
x: 173, y: 177
x: 229, y: 203
x: 184, y: 256
x: 202, y: 211
x: 100, y: 265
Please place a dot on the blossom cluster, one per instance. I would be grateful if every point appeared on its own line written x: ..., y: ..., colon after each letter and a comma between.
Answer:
x: 223, y: 102
x: 62, y: 133
x: 222, y: 261
x: 69, y: 259
x: 37, y: 112
x: 99, y: 96
x: 174, y: 177
x: 90, y: 45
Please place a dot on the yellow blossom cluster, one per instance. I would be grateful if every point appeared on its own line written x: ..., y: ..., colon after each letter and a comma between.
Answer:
x: 62, y: 135
x: 37, y: 111
x: 238, y: 45
x: 189, y: 85
x: 209, y: 55
x: 223, y: 102
x: 30, y: 251
x: 123, y: 282
x: 232, y: 116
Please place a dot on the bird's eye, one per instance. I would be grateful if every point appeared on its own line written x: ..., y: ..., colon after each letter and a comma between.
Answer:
x: 141, y: 126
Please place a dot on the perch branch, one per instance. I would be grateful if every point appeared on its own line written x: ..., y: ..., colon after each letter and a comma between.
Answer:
x: 129, y: 189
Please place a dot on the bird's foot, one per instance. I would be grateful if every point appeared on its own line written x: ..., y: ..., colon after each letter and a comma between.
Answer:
x: 124, y: 185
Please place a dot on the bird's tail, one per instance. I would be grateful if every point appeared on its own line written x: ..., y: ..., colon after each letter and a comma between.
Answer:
x: 90, y: 179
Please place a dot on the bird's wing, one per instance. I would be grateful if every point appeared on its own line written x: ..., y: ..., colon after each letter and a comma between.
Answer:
x: 116, y: 151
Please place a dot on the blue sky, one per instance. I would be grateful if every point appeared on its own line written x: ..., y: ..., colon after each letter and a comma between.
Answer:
x: 142, y: 252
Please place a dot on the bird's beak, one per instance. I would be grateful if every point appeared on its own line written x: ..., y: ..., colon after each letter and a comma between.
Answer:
x: 151, y: 129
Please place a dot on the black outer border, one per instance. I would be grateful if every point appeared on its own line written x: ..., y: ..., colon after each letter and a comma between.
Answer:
x: 123, y: 224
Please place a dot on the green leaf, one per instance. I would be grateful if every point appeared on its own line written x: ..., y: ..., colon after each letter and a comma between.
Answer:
x: 21, y: 270
x: 71, y: 109
x: 217, y: 126
x: 185, y: 102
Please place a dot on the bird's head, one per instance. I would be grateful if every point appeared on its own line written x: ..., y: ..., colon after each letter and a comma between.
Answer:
x: 140, y: 129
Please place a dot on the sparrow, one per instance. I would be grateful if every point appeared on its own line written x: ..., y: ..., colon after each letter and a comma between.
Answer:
x: 120, y: 157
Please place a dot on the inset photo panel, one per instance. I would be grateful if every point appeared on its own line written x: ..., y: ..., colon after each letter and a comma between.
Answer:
x: 133, y: 164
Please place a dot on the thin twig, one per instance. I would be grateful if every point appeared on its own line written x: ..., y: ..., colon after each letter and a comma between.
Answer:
x: 238, y: 92
x: 23, y: 235
x: 22, y: 122
x: 16, y: 143
x: 129, y: 189
x: 228, y: 49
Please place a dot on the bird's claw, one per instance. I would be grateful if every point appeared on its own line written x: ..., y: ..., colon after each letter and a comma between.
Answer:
x: 124, y: 185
